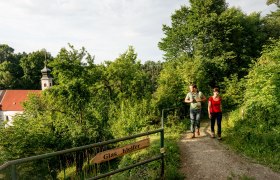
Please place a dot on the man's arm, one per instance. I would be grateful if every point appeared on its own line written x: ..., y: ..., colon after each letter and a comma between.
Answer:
x: 187, y: 99
x: 202, y: 98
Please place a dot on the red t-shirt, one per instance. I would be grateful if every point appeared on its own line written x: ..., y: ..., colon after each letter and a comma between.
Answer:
x: 215, y: 105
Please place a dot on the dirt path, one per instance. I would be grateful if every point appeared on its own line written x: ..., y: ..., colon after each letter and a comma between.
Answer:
x: 207, y: 158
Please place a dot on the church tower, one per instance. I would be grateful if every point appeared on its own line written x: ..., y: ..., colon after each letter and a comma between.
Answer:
x: 46, y: 80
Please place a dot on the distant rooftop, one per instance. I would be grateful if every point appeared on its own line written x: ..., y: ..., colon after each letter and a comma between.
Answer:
x: 11, y: 100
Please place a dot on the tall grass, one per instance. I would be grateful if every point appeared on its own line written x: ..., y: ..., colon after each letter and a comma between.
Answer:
x: 152, y: 170
x: 252, y: 140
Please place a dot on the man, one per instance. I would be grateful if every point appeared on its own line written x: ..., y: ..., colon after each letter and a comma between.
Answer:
x: 194, y: 97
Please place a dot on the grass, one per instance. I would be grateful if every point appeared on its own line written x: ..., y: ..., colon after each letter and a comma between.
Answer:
x: 152, y: 170
x: 262, y: 148
x: 240, y: 177
x: 172, y: 133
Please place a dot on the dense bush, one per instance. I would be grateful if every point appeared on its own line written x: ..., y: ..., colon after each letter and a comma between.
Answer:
x: 129, y: 117
x: 152, y: 169
x: 256, y: 131
x: 233, y: 90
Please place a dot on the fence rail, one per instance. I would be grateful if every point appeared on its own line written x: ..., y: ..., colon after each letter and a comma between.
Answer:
x: 13, y: 163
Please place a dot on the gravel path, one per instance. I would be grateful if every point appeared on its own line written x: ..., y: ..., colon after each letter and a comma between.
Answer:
x: 207, y: 158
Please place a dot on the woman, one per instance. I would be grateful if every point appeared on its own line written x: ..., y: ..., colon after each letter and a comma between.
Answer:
x: 215, y: 112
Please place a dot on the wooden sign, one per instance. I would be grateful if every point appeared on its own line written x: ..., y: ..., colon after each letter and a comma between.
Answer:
x: 113, y: 153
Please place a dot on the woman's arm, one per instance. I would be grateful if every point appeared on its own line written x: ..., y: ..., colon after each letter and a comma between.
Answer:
x: 209, y: 107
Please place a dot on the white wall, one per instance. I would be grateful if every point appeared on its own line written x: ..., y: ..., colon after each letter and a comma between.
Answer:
x: 8, y: 115
x: 1, y: 117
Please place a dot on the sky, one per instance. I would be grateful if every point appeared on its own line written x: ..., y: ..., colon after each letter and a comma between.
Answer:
x: 106, y: 28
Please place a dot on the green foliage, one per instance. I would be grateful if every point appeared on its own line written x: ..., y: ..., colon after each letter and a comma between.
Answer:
x: 207, y: 43
x: 21, y: 71
x: 6, y: 53
x: 196, y: 69
x: 187, y: 34
x: 240, y: 177
x: 216, y: 41
x: 152, y: 170
x: 277, y: 2
x: 7, y: 80
x: 263, y: 85
x: 10, y: 69
x: 36, y: 134
x: 257, y: 132
x: 67, y: 174
x: 211, y: 45
x: 130, y: 117
x: 170, y: 91
x: 192, y: 71
x: 124, y: 77
x: 272, y: 24
x: 152, y: 70
x: 31, y: 66
x: 233, y: 92
x: 70, y: 64
x: 61, y: 117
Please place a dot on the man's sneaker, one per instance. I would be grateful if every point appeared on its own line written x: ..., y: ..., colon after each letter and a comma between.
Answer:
x: 212, y: 135
x: 193, y: 136
x: 219, y: 137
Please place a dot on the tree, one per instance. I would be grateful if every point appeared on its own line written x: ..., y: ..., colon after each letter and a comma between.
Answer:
x: 255, y: 125
x: 262, y: 88
x: 31, y: 66
x: 73, y: 102
x: 124, y: 77
x: 224, y: 39
x: 277, y: 2
x: 11, y: 70
x: 272, y: 24
x: 64, y: 116
x: 7, y: 80
x: 171, y: 88
x: 6, y: 53
x: 70, y: 64
x: 192, y: 28
x: 152, y: 70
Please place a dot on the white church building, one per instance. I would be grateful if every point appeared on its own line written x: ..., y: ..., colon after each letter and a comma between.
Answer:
x: 11, y: 100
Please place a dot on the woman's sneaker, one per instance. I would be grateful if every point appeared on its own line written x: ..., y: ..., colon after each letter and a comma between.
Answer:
x: 212, y: 135
x: 198, y: 133
x: 219, y: 137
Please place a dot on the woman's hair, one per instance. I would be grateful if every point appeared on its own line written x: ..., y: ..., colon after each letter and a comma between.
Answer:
x: 216, y: 90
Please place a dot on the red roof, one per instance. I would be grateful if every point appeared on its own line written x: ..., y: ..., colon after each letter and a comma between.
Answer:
x: 12, y: 99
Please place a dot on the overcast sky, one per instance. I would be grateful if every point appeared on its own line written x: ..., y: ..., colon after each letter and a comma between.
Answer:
x: 104, y: 27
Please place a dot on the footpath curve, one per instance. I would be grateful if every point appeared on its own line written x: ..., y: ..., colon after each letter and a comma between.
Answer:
x: 204, y: 157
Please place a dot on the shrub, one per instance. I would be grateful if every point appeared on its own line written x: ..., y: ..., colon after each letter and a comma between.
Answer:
x: 257, y: 132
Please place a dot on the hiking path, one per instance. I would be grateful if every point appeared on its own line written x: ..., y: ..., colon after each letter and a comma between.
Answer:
x: 204, y: 157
